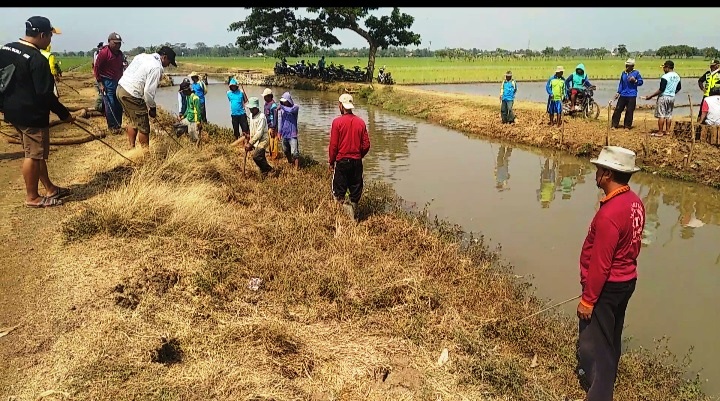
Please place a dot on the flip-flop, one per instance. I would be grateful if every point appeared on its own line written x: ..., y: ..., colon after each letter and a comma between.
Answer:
x: 61, y: 193
x: 45, y: 202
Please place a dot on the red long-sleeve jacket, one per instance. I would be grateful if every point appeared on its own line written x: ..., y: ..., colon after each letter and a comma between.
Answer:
x: 348, y: 138
x: 612, y: 244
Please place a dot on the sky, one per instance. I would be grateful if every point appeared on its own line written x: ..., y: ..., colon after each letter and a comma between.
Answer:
x: 483, y: 28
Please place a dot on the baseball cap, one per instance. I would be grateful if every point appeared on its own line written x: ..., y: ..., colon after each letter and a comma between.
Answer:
x: 114, y: 37
x: 41, y: 24
x: 669, y: 63
x: 170, y: 53
x: 347, y: 101
x: 253, y: 102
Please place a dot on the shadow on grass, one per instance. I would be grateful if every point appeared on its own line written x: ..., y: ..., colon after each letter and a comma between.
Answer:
x: 101, y: 182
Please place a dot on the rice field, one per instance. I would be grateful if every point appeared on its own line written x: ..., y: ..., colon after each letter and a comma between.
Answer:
x: 429, y: 70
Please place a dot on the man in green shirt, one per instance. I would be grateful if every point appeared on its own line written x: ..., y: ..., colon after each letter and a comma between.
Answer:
x: 192, y: 113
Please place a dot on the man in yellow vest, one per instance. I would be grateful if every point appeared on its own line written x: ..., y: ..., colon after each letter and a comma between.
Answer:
x: 54, y: 70
x: 709, y: 80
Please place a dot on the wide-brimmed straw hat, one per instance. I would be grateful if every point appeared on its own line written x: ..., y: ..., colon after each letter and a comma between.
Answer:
x: 559, y: 69
x: 630, y: 61
x: 266, y: 92
x: 616, y: 158
x: 193, y: 74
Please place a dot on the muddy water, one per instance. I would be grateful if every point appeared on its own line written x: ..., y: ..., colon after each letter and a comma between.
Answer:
x: 538, y: 206
x: 606, y: 89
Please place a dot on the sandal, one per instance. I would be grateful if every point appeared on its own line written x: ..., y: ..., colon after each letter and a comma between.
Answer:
x: 45, y: 202
x: 60, y: 193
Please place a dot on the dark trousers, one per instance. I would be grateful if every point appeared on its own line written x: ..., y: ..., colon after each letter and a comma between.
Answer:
x: 261, y: 161
x: 240, y: 124
x: 113, y: 108
x: 506, y: 111
x: 348, y: 175
x: 600, y: 341
x: 623, y: 103
x: 203, y: 113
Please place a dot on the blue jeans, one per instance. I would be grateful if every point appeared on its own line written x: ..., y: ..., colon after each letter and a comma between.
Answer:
x: 290, y: 149
x: 113, y: 108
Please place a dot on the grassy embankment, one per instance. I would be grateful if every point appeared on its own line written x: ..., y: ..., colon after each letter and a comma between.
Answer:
x: 148, y: 297
x: 433, y: 70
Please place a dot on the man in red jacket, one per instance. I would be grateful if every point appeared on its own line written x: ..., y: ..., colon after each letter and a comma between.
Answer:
x: 608, y: 271
x: 349, y: 143
x: 108, y: 69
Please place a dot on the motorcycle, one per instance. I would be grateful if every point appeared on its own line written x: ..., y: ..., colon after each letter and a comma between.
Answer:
x: 384, y: 78
x: 584, y: 103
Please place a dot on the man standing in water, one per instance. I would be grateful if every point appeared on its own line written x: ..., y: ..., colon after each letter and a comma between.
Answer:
x: 626, y: 95
x: 608, y: 271
x: 349, y: 143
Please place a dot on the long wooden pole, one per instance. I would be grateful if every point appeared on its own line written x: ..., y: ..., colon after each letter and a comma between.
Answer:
x: 607, y: 136
x: 692, y: 130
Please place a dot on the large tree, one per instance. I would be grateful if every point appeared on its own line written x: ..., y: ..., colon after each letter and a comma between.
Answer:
x: 296, y: 35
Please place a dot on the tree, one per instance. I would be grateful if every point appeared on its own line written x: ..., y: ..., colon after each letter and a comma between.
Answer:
x: 622, y: 51
x: 296, y: 35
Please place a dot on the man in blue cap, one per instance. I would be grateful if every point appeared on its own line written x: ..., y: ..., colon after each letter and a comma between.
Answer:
x: 26, y: 100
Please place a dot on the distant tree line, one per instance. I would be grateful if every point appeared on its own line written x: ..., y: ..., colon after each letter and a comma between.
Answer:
x: 200, y: 49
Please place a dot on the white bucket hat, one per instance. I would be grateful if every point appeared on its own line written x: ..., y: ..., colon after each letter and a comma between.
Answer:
x: 347, y: 101
x: 617, y: 159
x: 266, y: 92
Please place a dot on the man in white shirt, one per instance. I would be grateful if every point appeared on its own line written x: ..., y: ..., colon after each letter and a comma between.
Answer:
x: 710, y: 108
x: 136, y: 92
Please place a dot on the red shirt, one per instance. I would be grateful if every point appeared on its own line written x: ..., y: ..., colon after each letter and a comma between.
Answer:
x: 108, y: 65
x: 348, y: 138
x: 613, y: 243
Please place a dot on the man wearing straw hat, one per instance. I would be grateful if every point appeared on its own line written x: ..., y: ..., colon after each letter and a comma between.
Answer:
x: 508, y: 89
x: 555, y: 89
x: 626, y: 95
x: 608, y: 271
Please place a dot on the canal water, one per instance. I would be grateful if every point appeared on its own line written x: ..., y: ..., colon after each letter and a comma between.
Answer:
x: 535, y: 91
x: 537, y: 205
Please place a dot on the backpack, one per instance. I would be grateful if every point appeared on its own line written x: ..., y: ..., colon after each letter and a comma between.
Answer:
x: 6, y: 74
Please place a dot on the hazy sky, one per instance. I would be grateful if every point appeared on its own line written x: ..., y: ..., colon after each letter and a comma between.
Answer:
x: 483, y: 28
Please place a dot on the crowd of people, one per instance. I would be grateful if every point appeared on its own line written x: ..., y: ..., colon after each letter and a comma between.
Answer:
x: 561, y: 89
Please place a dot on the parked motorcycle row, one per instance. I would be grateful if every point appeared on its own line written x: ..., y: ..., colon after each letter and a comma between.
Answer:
x: 331, y: 73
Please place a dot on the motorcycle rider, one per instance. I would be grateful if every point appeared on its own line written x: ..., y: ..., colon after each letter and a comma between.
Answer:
x: 576, y: 83
x: 381, y: 75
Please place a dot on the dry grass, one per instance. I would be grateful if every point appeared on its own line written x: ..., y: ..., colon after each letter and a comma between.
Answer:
x: 150, y: 297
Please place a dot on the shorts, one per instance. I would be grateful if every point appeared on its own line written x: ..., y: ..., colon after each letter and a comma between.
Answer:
x: 136, y: 109
x: 554, y: 106
x: 192, y: 129
x: 290, y: 147
x: 35, y: 141
x: 664, y: 106
x: 575, y: 91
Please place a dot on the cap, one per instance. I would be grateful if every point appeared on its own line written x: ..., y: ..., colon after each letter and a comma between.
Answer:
x: 266, y: 92
x: 253, y: 102
x: 715, y: 62
x: 41, y: 24
x: 559, y: 69
x: 170, y: 53
x: 668, y: 63
x: 184, y: 86
x: 508, y: 73
x: 186, y: 80
x: 347, y: 101
x: 114, y: 37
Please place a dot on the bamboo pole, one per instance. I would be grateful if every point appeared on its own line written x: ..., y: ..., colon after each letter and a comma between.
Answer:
x: 607, y: 135
x: 692, y: 130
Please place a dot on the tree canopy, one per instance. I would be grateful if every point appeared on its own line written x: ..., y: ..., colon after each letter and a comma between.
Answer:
x: 293, y: 35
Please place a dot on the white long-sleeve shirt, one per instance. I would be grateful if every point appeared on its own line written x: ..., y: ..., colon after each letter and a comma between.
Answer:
x: 259, y: 131
x: 142, y: 77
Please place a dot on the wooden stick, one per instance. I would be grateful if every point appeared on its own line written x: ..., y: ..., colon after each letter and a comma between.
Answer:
x: 101, y: 141
x: 692, y: 130
x: 548, y: 308
x: 607, y: 136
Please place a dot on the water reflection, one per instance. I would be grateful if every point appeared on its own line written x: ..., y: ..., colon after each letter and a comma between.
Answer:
x: 502, y: 168
x: 546, y: 193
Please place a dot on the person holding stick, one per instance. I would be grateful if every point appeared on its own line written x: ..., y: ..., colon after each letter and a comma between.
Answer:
x: 108, y: 70
x: 238, y: 117
x: 608, y: 272
x: 26, y: 105
x: 258, y: 141
x: 669, y: 87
